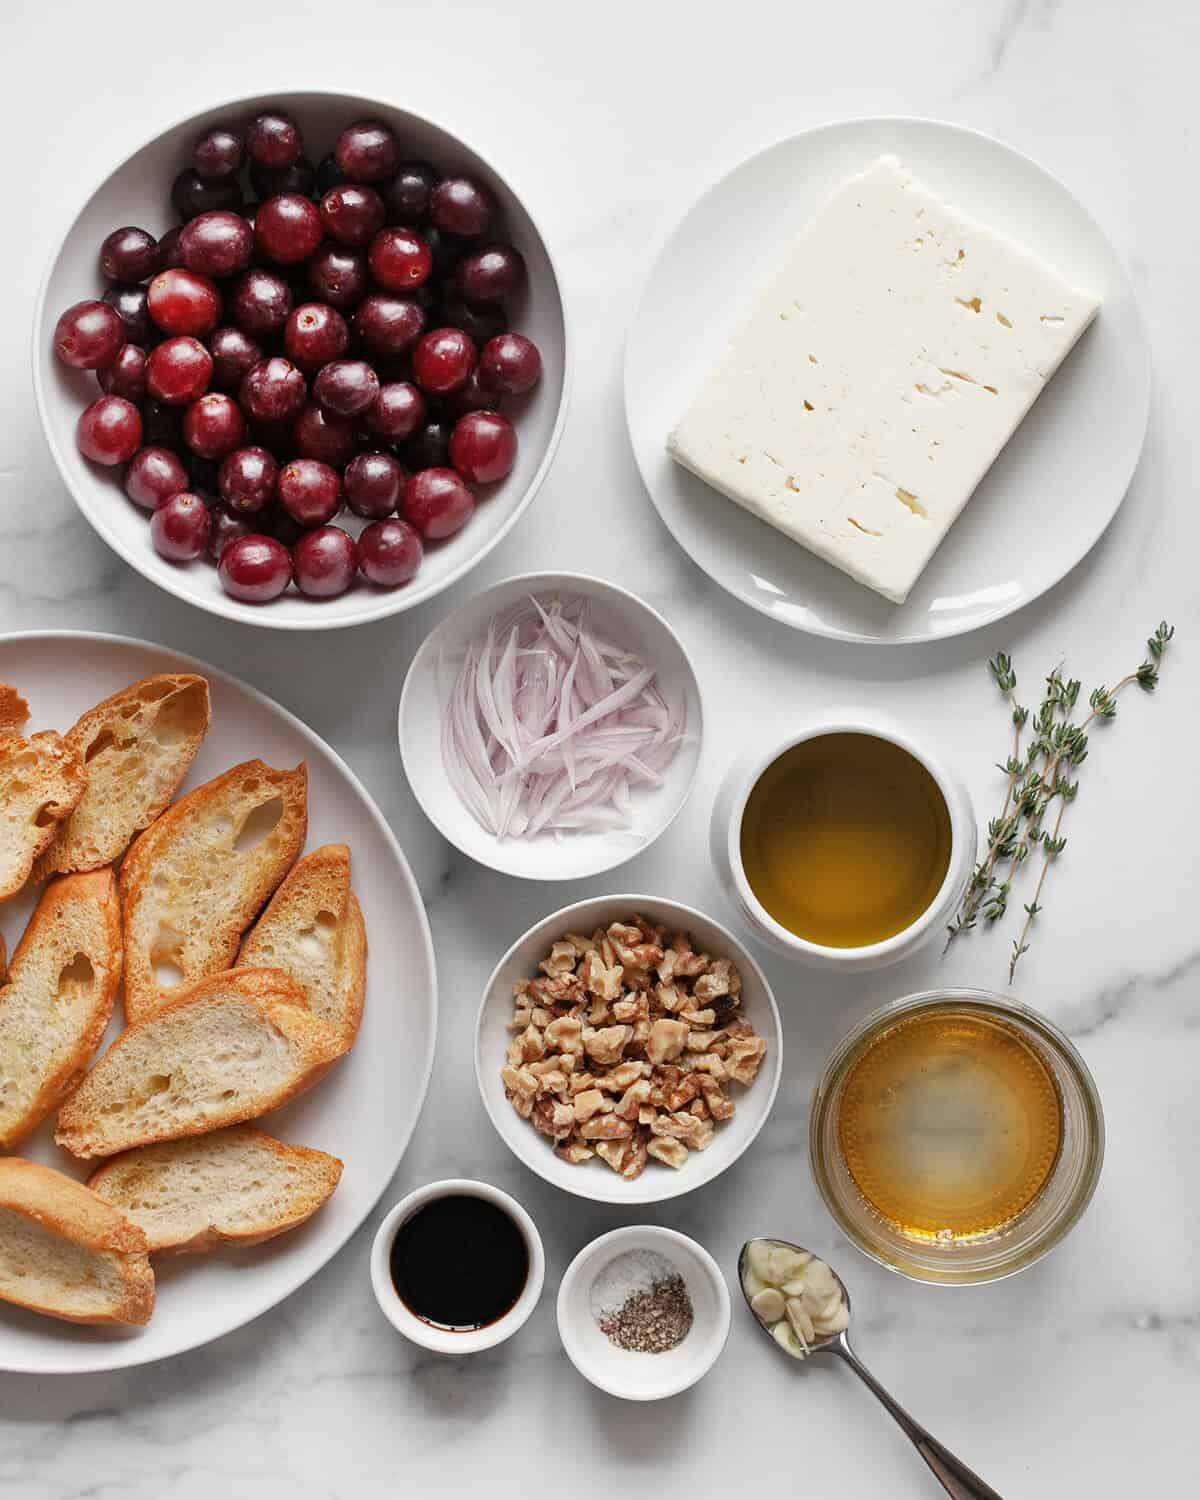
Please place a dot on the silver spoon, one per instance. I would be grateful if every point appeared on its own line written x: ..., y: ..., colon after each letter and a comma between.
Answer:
x: 953, y: 1475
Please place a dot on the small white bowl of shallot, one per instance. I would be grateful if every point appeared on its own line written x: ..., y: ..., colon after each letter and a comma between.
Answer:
x: 551, y: 727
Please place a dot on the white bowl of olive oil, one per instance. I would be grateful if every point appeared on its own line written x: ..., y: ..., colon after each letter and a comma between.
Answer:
x: 847, y: 844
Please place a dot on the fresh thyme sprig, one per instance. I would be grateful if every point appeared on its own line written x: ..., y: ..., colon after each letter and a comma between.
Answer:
x: 1036, y: 780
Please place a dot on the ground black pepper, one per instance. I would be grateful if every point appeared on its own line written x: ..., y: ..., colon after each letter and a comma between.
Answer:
x: 652, y: 1322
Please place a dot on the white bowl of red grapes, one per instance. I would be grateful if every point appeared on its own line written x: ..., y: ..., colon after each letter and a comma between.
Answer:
x: 302, y: 360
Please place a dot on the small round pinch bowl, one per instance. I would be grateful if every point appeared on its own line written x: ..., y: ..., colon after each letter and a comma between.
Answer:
x: 137, y: 192
x: 729, y: 807
x: 624, y: 618
x: 453, y: 1340
x: 593, y: 1179
x: 624, y: 1373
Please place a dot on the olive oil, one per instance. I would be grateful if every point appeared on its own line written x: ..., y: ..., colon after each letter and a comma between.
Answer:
x: 846, y: 840
x: 950, y: 1125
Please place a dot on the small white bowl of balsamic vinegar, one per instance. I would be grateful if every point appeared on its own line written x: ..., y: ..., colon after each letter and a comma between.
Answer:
x: 846, y: 844
x: 956, y: 1136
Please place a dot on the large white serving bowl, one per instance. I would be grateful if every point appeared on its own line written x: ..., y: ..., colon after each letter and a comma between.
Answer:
x: 138, y: 192
x: 623, y: 618
x: 593, y: 1179
x: 1060, y: 478
x: 365, y: 1109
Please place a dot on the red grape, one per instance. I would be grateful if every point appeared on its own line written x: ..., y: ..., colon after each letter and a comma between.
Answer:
x: 314, y: 335
x: 366, y: 151
x: 219, y: 243
x: 126, y: 376
x: 323, y: 562
x: 352, y: 214
x: 246, y: 479
x: 268, y: 182
x: 154, y: 475
x: 510, y: 363
x: 338, y: 276
x: 233, y: 353
x: 218, y: 155
x: 272, y: 391
x: 323, y: 435
x: 129, y: 254
x: 400, y: 260
x: 488, y: 276
x: 388, y: 326
x: 191, y: 195
x: 273, y: 139
x: 225, y: 528
x: 181, y: 302
x: 178, y: 371
x: 132, y: 306
x: 443, y: 361
x: 255, y: 568
x: 287, y: 228
x: 397, y: 411
x: 483, y: 446
x: 346, y: 386
x: 436, y: 502
x: 461, y: 207
x: 213, y: 426
x: 406, y: 197
x: 261, y: 303
x: 88, y: 335
x: 373, y: 483
x: 110, y: 430
x: 389, y: 553
x: 309, y: 491
x: 179, y: 528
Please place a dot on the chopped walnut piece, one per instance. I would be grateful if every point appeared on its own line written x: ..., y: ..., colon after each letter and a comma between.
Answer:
x: 635, y: 1158
x: 666, y: 1041
x: 598, y: 979
x: 565, y: 1034
x: 553, y: 1119
x: 561, y: 960
x: 613, y: 1152
x: 606, y: 1045
x: 588, y: 1103
x: 711, y: 1063
x: 574, y: 1152
x: 633, y: 1098
x: 532, y: 1044
x: 633, y: 1008
x: 561, y: 989
x: 605, y: 1128
x: 673, y: 1153
x: 703, y: 1041
x: 743, y: 1058
x: 671, y: 997
x: 619, y: 1078
x: 634, y: 952
x: 721, y: 979
x: 698, y: 1017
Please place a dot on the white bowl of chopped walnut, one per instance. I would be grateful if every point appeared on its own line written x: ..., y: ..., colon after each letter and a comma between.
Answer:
x: 628, y: 1049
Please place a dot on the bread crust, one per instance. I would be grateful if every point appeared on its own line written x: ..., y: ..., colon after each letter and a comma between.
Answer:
x: 65, y: 1207
x: 70, y: 851
x: 322, y: 1174
x: 143, y: 995
x: 279, y: 1002
x: 14, y: 711
x: 60, y: 766
x: 320, y: 880
x: 98, y: 889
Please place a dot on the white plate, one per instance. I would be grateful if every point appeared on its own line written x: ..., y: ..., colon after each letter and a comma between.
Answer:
x: 592, y: 1179
x: 1060, y: 479
x: 366, y: 1108
x: 623, y: 617
x: 138, y: 192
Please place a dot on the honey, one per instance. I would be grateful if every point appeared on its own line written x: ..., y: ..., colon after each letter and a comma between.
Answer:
x: 950, y: 1125
x: 846, y: 840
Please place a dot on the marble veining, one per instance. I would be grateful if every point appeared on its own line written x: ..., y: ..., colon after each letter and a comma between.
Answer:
x: 1079, y: 1379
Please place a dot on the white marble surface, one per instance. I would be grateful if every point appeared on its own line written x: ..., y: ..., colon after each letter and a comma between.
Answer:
x: 1080, y: 1378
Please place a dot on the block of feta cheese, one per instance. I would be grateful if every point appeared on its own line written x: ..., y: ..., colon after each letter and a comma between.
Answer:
x: 880, y: 372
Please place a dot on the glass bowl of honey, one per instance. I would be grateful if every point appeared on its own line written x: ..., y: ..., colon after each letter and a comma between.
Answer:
x: 956, y: 1136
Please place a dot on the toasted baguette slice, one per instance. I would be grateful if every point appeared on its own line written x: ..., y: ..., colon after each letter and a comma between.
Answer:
x: 14, y: 711
x: 67, y: 1253
x: 236, y: 1186
x: 58, y: 999
x: 137, y: 746
x: 199, y: 875
x: 42, y: 779
x: 313, y: 930
x: 227, y: 1049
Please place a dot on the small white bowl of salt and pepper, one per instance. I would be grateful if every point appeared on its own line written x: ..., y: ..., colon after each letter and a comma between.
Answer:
x: 643, y: 1312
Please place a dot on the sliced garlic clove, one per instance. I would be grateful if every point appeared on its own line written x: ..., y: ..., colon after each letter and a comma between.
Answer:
x: 835, y: 1323
x: 800, y: 1321
x: 768, y: 1306
x: 759, y: 1259
x: 821, y: 1278
x: 753, y: 1284
x: 784, y: 1336
x: 828, y: 1308
x: 794, y: 1288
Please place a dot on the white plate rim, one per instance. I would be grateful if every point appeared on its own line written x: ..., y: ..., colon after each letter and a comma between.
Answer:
x: 816, y: 628
x: 677, y: 1185
x: 398, y: 600
x: 537, y: 581
x: 127, y: 1355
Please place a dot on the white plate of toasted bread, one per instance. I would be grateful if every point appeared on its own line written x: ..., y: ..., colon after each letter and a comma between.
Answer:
x: 218, y: 1007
